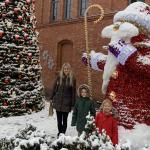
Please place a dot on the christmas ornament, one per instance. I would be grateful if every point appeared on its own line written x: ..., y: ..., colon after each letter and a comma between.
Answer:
x: 18, y: 57
x: 5, y: 103
x: 114, y: 75
x: 3, y: 15
x: 7, y: 80
x: 7, y: 2
x: 30, y: 42
x: 16, y: 10
x: 20, y: 18
x: 29, y: 55
x: 112, y: 96
x: 17, y: 37
x: 1, y: 33
x: 26, y: 36
x: 28, y: 1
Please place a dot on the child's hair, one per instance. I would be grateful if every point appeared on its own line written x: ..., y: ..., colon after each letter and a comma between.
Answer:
x: 104, y: 102
x: 81, y: 87
x: 114, y: 110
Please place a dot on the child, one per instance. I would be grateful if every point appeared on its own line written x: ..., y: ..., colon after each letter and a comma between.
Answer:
x: 105, y: 120
x: 82, y: 107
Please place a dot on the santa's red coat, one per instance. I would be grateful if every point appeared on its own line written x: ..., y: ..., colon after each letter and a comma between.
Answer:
x: 129, y: 90
x: 110, y: 125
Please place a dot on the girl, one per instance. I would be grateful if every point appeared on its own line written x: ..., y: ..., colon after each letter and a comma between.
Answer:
x: 105, y: 120
x: 63, y: 96
x: 83, y: 106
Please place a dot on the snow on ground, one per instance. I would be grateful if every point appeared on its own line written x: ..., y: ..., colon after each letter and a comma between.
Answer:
x: 9, y: 126
x: 138, y: 137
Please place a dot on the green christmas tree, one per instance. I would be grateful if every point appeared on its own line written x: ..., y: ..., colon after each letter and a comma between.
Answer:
x: 20, y: 70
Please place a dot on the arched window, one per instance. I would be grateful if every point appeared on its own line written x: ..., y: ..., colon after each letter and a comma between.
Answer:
x: 54, y: 9
x: 132, y: 1
x: 67, y: 12
x: 83, y: 4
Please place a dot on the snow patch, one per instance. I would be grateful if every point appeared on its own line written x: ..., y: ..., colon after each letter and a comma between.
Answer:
x: 145, y: 60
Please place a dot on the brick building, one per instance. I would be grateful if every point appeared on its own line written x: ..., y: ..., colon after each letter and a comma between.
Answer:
x: 62, y: 37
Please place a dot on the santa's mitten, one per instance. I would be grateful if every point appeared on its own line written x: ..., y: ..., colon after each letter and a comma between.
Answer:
x: 122, y: 50
x: 97, y: 60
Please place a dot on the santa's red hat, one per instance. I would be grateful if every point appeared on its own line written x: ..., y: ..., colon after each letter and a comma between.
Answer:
x: 137, y: 13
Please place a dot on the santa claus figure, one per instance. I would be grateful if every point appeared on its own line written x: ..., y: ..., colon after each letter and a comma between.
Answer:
x: 126, y: 76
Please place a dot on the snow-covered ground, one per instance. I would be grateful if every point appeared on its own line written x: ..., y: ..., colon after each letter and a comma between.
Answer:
x: 138, y: 137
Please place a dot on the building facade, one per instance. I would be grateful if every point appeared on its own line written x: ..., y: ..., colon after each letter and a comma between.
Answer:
x: 62, y: 37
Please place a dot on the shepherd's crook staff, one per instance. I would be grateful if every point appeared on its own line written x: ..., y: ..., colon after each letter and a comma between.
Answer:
x: 86, y: 40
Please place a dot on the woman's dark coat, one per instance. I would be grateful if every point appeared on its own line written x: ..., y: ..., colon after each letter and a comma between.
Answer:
x: 63, y: 96
x: 81, y: 109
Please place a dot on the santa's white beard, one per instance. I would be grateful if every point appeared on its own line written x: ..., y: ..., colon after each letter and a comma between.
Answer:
x: 109, y: 68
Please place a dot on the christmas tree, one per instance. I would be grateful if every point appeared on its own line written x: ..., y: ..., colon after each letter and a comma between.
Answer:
x: 20, y: 70
x: 28, y: 138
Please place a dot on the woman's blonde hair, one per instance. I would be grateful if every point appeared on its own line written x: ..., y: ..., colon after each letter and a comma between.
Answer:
x: 69, y: 77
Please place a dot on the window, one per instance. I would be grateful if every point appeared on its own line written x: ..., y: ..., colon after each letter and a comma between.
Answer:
x: 67, y: 11
x: 54, y: 10
x: 83, y: 4
x: 132, y: 1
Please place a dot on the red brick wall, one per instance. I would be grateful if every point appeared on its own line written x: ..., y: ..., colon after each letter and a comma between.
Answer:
x: 52, y: 34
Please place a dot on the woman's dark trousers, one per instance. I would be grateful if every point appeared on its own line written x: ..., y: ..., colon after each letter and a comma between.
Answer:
x: 62, y: 121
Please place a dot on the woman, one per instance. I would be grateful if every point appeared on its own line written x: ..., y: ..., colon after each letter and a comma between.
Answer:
x: 63, y: 96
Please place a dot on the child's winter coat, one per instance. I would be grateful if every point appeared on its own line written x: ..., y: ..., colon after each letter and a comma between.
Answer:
x: 81, y: 109
x: 108, y: 123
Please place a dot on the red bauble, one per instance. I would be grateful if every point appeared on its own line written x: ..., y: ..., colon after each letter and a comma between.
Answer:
x: 3, y: 15
x: 29, y: 55
x: 1, y: 33
x: 16, y: 10
x: 7, y: 2
x: 17, y: 37
x: 28, y: 1
x: 6, y: 80
x: 5, y: 103
x: 26, y: 36
x: 20, y: 18
x: 30, y: 42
